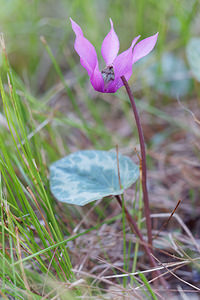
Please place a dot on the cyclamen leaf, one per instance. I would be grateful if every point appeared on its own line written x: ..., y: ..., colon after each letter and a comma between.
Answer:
x: 89, y: 175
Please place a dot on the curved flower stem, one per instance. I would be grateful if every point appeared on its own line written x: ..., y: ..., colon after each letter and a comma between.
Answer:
x: 135, y: 229
x: 147, y: 248
x: 143, y: 163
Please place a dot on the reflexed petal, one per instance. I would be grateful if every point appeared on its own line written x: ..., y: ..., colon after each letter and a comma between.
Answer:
x: 122, y: 66
x: 85, y: 49
x: 97, y: 80
x: 110, y: 46
x: 144, y: 47
x: 76, y: 28
x: 123, y: 62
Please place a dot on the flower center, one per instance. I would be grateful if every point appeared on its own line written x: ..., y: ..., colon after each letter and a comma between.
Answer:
x: 108, y: 74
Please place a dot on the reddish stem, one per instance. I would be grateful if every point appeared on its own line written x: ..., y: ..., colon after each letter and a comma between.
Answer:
x: 144, y: 167
x: 136, y: 230
x: 147, y: 248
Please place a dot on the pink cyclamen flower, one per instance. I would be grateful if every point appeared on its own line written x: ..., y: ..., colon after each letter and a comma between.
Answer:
x: 109, y: 79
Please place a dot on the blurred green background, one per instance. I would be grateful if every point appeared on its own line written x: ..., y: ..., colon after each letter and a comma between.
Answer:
x: 23, y: 22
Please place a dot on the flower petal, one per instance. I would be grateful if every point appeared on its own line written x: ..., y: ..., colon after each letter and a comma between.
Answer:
x: 123, y: 62
x: 122, y: 66
x: 86, y: 51
x: 97, y: 80
x: 144, y: 47
x: 110, y: 46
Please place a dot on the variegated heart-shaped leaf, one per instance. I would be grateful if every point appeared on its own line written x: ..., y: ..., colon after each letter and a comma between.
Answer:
x: 89, y: 175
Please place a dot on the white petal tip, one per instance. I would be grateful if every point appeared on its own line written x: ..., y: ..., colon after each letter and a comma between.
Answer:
x: 135, y: 40
x: 72, y: 21
x: 111, y: 22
